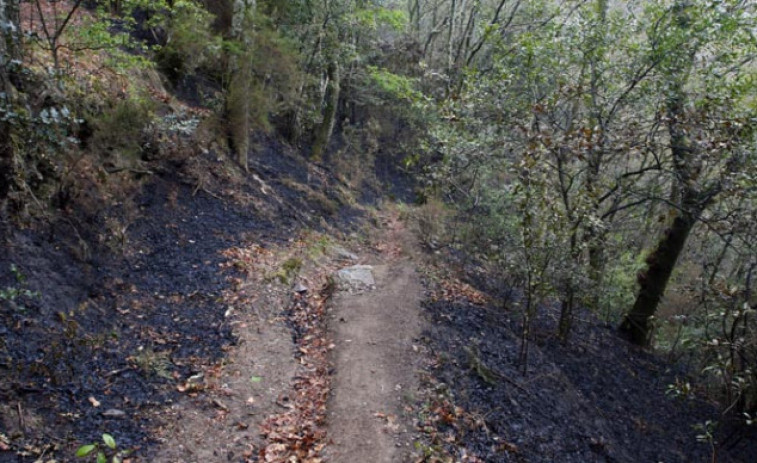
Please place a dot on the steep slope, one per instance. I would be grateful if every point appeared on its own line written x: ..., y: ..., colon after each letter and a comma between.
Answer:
x: 110, y: 339
x: 598, y: 399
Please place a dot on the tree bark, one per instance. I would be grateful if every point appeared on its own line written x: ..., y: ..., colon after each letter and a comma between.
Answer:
x: 653, y: 280
x: 326, y: 128
x: 450, y: 42
x: 238, y: 110
x: 9, y: 51
x: 694, y: 199
x: 595, y: 234
x: 637, y: 325
x: 240, y: 84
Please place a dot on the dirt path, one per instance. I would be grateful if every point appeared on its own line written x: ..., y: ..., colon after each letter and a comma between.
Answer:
x: 223, y: 423
x: 375, y: 360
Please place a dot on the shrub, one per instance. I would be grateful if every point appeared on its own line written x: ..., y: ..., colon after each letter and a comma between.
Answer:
x: 190, y: 42
x: 117, y: 131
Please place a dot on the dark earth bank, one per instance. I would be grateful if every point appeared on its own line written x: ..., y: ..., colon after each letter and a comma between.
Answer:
x: 99, y: 322
x: 598, y: 399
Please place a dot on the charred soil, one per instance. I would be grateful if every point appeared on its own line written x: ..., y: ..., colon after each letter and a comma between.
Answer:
x: 189, y: 320
x: 122, y: 320
x: 596, y: 399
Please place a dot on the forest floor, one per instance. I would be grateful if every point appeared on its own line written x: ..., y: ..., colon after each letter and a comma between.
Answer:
x: 211, y: 330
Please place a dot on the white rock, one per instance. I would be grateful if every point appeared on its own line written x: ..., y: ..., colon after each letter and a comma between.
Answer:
x: 357, y: 276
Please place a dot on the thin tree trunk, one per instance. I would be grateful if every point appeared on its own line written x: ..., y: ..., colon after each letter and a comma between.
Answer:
x: 465, y: 37
x: 9, y: 51
x: 568, y: 302
x: 414, y: 13
x: 7, y: 156
x: 570, y: 288
x: 428, y: 53
x: 450, y: 41
x: 594, y: 234
x: 296, y: 117
x: 326, y: 128
x: 495, y: 20
x: 566, y: 313
x: 240, y: 84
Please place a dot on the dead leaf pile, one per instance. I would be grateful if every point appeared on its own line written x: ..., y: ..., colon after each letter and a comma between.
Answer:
x: 444, y: 426
x: 390, y: 246
x: 452, y: 290
x: 247, y: 259
x: 298, y: 435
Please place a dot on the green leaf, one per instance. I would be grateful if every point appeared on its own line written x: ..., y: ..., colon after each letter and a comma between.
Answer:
x: 101, y: 458
x: 109, y: 441
x: 256, y: 379
x: 85, y: 450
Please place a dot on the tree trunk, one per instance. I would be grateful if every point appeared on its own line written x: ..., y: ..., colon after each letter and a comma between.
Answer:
x: 240, y: 83
x: 9, y: 31
x: 326, y: 128
x: 238, y: 110
x: 414, y: 14
x: 7, y: 154
x: 687, y: 166
x: 450, y: 42
x: 9, y: 51
x: 637, y: 325
x: 653, y: 280
x: 567, y: 304
x: 595, y: 234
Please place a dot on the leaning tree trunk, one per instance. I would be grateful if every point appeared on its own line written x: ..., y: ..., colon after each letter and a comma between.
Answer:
x: 637, y: 325
x: 653, y: 280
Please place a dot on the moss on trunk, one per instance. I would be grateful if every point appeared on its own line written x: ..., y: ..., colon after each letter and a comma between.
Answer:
x: 326, y: 128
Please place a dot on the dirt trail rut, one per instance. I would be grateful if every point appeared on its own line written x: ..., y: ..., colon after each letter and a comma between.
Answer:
x: 376, y: 364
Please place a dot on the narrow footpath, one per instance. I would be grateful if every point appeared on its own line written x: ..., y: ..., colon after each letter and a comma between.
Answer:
x: 376, y: 333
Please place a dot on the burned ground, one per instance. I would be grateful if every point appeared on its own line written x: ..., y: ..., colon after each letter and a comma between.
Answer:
x: 96, y: 342
x: 594, y: 399
x: 139, y: 321
x: 106, y: 338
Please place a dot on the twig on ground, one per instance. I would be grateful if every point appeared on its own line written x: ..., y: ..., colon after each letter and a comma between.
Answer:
x: 115, y: 170
x: 199, y: 187
x: 116, y: 372
x: 21, y: 420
